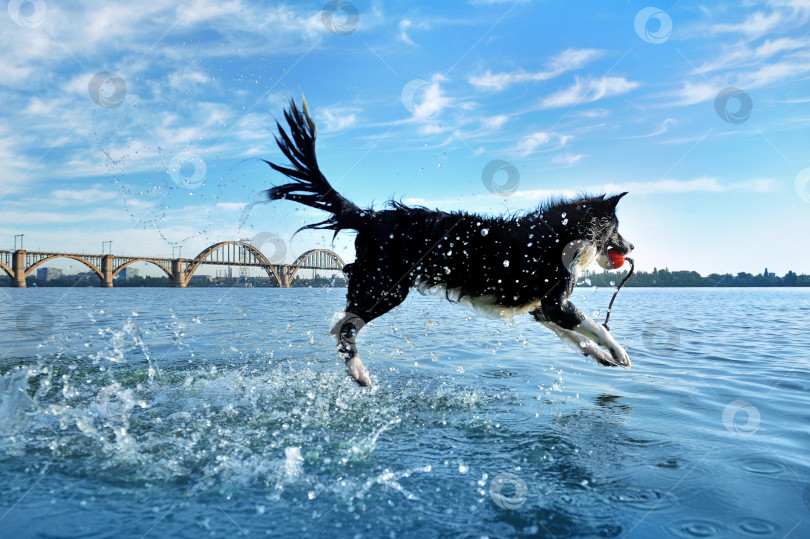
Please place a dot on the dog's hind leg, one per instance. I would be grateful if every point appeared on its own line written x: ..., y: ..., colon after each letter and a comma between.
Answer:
x: 367, y: 299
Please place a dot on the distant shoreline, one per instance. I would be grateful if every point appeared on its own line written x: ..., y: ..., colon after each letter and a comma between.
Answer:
x: 691, y: 279
x: 640, y: 279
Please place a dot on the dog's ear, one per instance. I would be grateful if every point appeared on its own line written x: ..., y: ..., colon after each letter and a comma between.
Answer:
x: 614, y: 200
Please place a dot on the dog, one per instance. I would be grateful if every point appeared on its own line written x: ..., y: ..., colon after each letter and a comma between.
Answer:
x: 498, y: 266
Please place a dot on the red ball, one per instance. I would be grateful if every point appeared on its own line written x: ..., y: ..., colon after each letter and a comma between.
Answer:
x: 616, y: 258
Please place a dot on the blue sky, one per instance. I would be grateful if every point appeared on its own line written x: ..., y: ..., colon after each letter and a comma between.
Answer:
x: 143, y: 123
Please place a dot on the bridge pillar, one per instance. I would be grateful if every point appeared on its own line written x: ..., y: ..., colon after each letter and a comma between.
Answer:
x: 178, y: 276
x: 285, y: 273
x: 18, y: 267
x: 107, y: 271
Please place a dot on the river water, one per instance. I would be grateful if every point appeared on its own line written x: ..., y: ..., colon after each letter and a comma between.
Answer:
x: 225, y: 412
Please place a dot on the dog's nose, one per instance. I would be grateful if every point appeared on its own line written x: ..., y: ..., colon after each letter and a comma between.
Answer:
x: 630, y: 246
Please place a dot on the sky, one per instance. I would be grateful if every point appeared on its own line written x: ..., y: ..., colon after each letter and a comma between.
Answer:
x: 145, y: 124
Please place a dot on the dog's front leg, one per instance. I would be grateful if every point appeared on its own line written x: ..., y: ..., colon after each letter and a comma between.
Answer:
x: 596, y: 331
x: 580, y: 343
x: 346, y: 332
x: 564, y: 314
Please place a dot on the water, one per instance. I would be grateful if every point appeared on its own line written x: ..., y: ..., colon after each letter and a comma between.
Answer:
x: 220, y: 412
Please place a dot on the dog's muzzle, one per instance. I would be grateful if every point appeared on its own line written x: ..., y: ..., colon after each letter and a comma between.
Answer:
x: 613, y: 256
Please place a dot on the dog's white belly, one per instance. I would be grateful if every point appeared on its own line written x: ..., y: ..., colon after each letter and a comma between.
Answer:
x: 483, y: 305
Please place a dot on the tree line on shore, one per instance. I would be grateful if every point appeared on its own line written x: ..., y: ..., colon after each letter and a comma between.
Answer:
x: 666, y: 278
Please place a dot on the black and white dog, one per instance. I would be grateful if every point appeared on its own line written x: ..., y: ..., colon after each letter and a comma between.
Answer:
x: 499, y: 266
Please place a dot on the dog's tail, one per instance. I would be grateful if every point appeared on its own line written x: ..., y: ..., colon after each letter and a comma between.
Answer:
x: 309, y: 186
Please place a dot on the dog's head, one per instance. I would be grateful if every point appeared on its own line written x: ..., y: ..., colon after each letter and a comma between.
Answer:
x: 611, y: 247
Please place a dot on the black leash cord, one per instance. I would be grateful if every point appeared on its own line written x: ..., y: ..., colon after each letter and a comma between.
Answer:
x: 621, y: 284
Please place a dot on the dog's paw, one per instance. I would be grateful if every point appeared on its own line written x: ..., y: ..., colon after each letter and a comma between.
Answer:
x: 620, y: 357
x: 356, y: 369
x: 601, y: 357
x: 590, y: 349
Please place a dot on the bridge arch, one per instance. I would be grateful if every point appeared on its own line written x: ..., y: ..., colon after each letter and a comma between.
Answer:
x: 316, y: 257
x: 30, y: 269
x: 222, y: 253
x: 7, y: 269
x: 166, y: 270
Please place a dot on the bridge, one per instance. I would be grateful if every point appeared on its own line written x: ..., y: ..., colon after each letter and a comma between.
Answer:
x: 20, y: 264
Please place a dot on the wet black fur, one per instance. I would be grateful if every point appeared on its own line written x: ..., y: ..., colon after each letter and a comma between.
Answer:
x: 517, y: 259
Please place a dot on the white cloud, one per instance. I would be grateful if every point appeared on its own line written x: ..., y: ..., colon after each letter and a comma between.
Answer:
x: 541, y: 141
x: 73, y: 196
x: 697, y: 185
x: 493, y: 123
x: 567, y: 159
x: 662, y: 128
x: 568, y: 60
x: 404, y: 24
x: 336, y: 118
x: 755, y: 25
x: 741, y: 54
x: 231, y: 206
x: 588, y: 90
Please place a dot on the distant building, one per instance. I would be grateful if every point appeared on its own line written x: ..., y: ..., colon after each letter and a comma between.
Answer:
x: 87, y: 276
x: 48, y: 274
x: 128, y: 273
x: 200, y: 279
